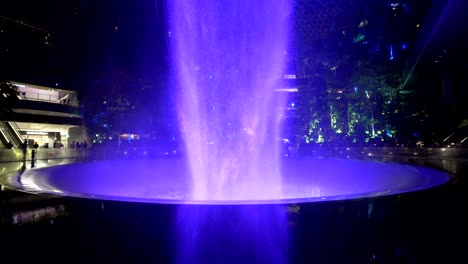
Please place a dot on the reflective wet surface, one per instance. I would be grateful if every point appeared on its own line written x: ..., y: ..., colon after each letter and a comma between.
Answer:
x: 420, y: 227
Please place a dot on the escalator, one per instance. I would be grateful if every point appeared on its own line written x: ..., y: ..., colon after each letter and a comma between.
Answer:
x: 9, y: 134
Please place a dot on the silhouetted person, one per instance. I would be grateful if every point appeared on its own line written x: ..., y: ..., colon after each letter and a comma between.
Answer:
x: 33, y: 157
x: 35, y: 145
x: 24, y: 147
x: 9, y: 145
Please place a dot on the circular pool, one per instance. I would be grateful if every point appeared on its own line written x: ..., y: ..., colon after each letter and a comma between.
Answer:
x: 168, y: 181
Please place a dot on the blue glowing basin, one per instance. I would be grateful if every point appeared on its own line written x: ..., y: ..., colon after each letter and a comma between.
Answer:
x: 168, y: 181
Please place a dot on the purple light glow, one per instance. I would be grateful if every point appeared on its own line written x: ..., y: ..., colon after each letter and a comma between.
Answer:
x: 168, y: 181
x: 228, y: 57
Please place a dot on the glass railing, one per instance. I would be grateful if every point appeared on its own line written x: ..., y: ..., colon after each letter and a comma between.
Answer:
x: 42, y: 97
x: 10, y: 155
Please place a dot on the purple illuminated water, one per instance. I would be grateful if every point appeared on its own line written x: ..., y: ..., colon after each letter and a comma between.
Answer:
x: 228, y: 57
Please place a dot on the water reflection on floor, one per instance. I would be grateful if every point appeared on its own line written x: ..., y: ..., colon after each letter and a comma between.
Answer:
x: 423, y: 227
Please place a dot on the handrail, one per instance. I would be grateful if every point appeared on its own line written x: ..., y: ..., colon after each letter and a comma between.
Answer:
x: 4, y: 136
x: 15, y: 129
x: 9, y: 134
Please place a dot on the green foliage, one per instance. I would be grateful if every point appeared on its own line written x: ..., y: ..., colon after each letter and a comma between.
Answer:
x: 8, y: 97
x: 359, y: 38
x: 362, y: 96
x: 378, y: 96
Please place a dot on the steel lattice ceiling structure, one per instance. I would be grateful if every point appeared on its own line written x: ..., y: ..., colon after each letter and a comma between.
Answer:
x: 316, y: 19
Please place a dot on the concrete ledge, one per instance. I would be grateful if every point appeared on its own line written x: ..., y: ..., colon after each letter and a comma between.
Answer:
x: 357, y: 152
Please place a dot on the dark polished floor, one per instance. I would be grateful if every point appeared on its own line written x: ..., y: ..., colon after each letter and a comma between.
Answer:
x: 423, y: 227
